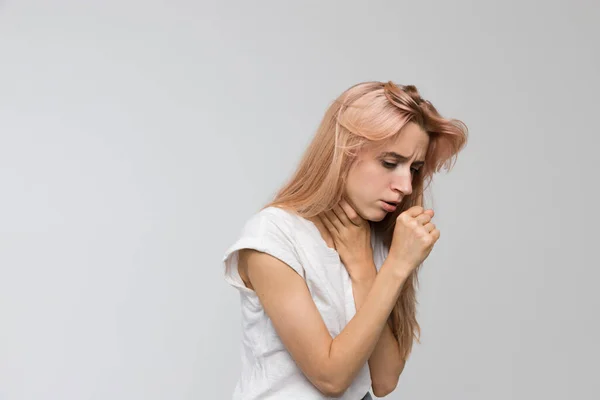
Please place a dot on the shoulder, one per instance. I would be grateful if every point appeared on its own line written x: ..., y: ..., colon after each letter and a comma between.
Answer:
x: 272, y: 221
x: 270, y: 231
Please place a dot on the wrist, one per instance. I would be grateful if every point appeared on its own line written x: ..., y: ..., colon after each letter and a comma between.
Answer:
x: 396, y: 269
x: 365, y: 275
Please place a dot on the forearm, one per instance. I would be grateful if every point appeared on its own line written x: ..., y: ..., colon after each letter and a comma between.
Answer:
x: 385, y: 363
x: 351, y: 349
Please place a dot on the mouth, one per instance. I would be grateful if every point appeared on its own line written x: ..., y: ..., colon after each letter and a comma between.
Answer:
x: 389, y: 207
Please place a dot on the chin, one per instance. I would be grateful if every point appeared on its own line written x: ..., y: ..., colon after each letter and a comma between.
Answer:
x: 373, y: 216
x: 379, y: 217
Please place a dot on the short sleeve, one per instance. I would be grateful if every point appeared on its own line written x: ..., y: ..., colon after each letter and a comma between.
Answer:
x: 266, y: 232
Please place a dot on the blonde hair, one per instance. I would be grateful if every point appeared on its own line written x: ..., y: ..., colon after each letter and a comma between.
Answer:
x: 369, y: 113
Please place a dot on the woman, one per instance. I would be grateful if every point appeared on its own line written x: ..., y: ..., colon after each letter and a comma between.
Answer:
x: 327, y: 271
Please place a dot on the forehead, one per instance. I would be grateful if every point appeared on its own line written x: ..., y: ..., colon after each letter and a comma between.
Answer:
x: 411, y: 141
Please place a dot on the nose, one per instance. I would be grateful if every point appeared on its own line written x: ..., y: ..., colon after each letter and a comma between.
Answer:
x: 403, y: 184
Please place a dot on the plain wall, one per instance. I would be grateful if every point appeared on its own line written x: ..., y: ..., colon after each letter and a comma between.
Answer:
x: 136, y: 137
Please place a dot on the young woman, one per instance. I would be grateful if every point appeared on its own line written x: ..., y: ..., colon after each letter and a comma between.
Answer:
x: 327, y: 271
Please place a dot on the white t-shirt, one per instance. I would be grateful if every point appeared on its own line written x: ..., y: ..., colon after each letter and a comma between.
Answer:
x: 268, y: 370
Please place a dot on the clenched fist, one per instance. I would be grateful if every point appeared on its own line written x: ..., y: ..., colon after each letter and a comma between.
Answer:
x: 413, y: 238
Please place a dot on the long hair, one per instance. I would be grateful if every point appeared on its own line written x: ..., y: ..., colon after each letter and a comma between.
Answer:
x: 370, y: 113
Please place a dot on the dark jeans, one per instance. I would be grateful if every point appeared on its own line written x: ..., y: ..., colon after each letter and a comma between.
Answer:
x: 367, y: 396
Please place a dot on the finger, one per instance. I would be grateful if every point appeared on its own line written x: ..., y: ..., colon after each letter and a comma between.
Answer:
x: 328, y: 224
x: 414, y: 211
x: 429, y: 227
x: 427, y: 211
x: 351, y: 213
x: 333, y: 220
x: 424, y: 218
x: 341, y: 215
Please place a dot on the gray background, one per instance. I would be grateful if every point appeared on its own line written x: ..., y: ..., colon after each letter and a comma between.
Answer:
x: 137, y: 137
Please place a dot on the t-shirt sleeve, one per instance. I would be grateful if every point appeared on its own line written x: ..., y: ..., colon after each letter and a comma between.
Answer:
x: 266, y: 233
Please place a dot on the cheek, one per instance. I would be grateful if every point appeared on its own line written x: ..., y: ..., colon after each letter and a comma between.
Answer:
x: 369, y: 183
x: 375, y: 177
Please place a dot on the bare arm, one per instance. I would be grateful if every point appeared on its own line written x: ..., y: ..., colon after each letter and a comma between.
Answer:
x: 385, y: 363
x: 330, y: 364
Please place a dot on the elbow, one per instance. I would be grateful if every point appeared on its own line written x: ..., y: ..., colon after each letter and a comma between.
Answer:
x: 332, y: 392
x: 385, y: 385
x: 332, y: 389
x: 332, y: 386
x: 384, y: 388
x: 337, y: 389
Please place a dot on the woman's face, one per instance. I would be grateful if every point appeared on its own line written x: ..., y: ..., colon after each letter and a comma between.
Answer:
x: 379, y: 175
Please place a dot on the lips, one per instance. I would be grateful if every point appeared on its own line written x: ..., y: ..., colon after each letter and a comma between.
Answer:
x: 389, y: 207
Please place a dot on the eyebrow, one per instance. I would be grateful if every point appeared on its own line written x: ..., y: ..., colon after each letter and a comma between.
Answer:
x: 400, y: 157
